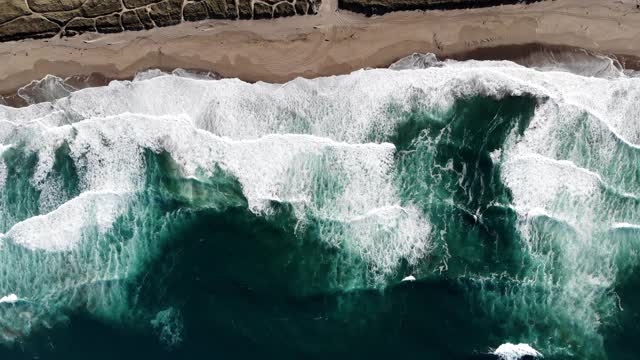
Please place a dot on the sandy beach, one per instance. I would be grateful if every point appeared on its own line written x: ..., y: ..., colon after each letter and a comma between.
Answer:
x: 333, y: 42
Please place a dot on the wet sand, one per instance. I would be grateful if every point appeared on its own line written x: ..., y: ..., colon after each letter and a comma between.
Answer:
x: 333, y: 42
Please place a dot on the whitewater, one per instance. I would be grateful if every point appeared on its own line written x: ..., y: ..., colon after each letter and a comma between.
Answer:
x: 506, y: 195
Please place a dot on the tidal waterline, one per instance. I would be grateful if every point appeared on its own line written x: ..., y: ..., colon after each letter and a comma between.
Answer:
x: 173, y: 217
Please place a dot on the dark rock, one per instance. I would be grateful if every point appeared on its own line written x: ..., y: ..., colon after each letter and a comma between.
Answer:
x: 221, y: 9
x: 11, y: 9
x: 231, y: 9
x: 106, y: 16
x: 79, y: 25
x: 217, y: 9
x: 54, y: 5
x: 28, y: 27
x: 93, y: 8
x: 145, y: 19
x: 301, y: 7
x: 109, y: 24
x: 244, y: 9
x: 262, y: 11
x: 283, y: 10
x: 62, y: 17
x: 379, y: 7
x: 195, y: 11
x: 131, y: 22
x: 131, y: 4
x: 166, y: 13
x: 313, y: 7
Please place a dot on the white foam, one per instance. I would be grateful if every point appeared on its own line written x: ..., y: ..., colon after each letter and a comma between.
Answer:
x: 580, y: 62
x: 344, y: 107
x: 3, y: 167
x: 9, y: 299
x: 49, y: 88
x: 275, y: 167
x: 537, y: 182
x: 62, y: 228
x: 409, y: 278
x: 189, y: 74
x: 495, y: 155
x: 149, y: 74
x: 509, y: 351
x: 625, y: 226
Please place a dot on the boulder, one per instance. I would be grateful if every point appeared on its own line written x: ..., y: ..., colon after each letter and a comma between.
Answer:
x: 28, y: 27
x: 221, y: 9
x: 232, y: 11
x: 54, y: 5
x: 94, y: 8
x: 283, y: 10
x: 145, y: 19
x: 131, y: 22
x: 62, y: 17
x: 166, y: 13
x: 11, y: 9
x: 301, y: 7
x: 313, y: 7
x: 262, y: 11
x: 79, y: 25
x: 195, y: 11
x: 131, y: 4
x: 109, y: 24
x: 244, y: 9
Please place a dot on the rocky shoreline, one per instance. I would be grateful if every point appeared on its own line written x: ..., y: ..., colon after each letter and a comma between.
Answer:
x: 20, y: 19
x: 35, y: 19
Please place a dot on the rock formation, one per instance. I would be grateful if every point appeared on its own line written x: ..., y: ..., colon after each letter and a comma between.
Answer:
x: 20, y: 19
x: 378, y: 7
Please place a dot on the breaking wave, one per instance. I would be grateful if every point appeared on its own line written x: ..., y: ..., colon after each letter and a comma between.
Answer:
x: 471, y: 203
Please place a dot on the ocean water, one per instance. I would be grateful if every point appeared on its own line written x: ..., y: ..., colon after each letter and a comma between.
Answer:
x: 433, y: 210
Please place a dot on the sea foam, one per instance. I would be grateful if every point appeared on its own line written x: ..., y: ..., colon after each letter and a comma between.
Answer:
x: 575, y: 163
x: 9, y: 299
x: 509, y: 351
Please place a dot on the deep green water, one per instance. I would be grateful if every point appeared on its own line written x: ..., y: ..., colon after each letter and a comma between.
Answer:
x: 250, y: 221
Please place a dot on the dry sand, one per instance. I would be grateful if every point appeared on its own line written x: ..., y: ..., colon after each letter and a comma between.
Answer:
x: 333, y: 42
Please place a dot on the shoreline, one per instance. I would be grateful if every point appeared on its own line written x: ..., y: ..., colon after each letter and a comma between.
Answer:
x: 332, y: 42
x: 530, y: 55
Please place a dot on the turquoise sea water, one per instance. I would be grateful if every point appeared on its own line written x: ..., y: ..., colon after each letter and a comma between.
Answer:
x: 424, y: 213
